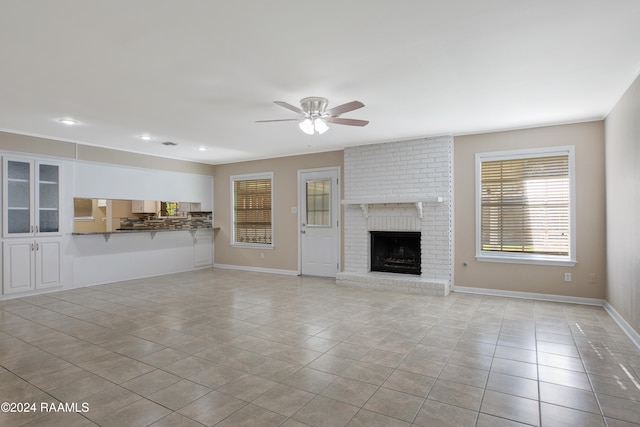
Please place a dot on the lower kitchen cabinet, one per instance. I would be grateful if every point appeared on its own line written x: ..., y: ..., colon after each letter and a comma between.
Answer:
x: 30, y: 264
x: 203, y: 248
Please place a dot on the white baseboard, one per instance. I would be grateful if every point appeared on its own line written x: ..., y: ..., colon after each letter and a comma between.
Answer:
x: 530, y: 295
x: 633, y: 335
x: 256, y: 269
x: 626, y: 327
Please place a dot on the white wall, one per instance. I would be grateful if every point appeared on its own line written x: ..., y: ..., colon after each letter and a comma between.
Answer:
x: 103, y: 181
x: 622, y: 133
x: 128, y: 256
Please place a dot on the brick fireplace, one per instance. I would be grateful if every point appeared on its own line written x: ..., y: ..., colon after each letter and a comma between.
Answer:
x: 399, y: 187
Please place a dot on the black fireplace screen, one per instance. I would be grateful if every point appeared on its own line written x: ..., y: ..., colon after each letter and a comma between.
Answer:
x: 395, y: 252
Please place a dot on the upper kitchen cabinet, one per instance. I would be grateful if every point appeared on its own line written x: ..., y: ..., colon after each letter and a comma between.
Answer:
x: 31, y: 198
x: 144, y: 206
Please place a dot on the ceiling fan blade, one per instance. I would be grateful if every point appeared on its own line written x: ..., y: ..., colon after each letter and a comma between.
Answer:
x: 341, y: 109
x: 289, y: 107
x: 278, y: 120
x: 349, y: 122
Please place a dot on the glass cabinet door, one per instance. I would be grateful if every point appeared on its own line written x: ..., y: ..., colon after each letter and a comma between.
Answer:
x: 31, y: 197
x: 48, y: 198
x: 18, y: 197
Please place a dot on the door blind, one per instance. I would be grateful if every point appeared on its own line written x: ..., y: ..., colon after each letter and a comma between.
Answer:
x: 525, y: 205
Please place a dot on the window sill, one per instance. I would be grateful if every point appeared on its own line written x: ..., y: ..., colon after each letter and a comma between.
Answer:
x: 528, y: 260
x: 252, y: 245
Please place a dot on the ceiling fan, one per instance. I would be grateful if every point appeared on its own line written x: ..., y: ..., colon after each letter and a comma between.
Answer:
x: 315, y: 115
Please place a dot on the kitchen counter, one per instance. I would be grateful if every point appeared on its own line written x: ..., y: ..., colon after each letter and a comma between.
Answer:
x: 108, y: 234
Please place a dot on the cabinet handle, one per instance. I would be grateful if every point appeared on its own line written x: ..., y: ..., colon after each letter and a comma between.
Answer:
x: 32, y: 228
x: 37, y: 230
x: 37, y: 246
x: 33, y: 247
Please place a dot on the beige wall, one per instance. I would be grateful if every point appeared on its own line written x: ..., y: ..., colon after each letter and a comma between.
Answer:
x: 284, y: 255
x: 97, y: 224
x: 35, y: 145
x: 115, y: 157
x: 120, y: 209
x: 622, y: 130
x: 588, y: 139
x: 51, y: 147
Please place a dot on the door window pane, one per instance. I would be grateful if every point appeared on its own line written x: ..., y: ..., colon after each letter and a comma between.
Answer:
x: 318, y: 200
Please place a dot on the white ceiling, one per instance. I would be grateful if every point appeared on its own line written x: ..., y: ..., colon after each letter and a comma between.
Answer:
x: 199, y: 73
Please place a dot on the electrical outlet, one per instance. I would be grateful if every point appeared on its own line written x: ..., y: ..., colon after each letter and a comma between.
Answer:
x: 567, y: 277
x: 592, y: 278
x: 261, y: 254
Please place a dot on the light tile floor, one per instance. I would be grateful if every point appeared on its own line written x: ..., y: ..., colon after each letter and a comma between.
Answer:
x: 230, y: 348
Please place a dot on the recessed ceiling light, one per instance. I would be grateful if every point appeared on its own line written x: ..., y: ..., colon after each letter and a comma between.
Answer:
x: 68, y: 122
x: 146, y: 137
x: 202, y: 148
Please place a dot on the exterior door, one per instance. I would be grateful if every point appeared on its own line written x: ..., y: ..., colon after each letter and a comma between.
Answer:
x: 319, y: 222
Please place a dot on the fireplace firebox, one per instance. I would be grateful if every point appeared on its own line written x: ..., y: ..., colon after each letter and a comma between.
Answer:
x: 395, y: 252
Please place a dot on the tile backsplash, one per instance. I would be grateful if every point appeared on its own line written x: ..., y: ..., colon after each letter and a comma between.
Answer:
x: 152, y: 222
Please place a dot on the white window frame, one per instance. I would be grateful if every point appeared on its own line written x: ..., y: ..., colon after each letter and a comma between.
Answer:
x: 247, y: 177
x: 524, y: 258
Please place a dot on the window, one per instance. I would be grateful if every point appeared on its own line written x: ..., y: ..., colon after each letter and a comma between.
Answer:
x: 318, y: 193
x: 251, y: 209
x: 168, y: 209
x: 525, y: 208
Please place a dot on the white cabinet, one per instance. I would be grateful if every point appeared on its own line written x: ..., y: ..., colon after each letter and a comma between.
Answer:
x: 31, y: 259
x: 31, y: 198
x: 144, y: 206
x: 30, y: 264
x: 203, y: 248
x: 189, y: 207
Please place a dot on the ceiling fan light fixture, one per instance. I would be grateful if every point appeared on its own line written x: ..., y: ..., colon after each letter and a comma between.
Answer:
x: 307, y: 126
x: 315, y: 115
x: 320, y: 126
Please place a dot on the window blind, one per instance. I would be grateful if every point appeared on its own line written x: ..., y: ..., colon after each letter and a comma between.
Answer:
x: 252, y: 211
x: 525, y: 205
